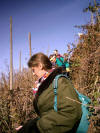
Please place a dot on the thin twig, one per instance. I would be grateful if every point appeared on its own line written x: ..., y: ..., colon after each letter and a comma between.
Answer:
x: 81, y: 103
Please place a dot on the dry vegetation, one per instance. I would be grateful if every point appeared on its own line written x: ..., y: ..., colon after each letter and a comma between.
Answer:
x: 86, y: 69
x: 16, y: 105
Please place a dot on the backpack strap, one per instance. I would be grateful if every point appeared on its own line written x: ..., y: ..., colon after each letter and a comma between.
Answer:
x: 84, y: 122
x: 59, y: 58
x: 55, y: 86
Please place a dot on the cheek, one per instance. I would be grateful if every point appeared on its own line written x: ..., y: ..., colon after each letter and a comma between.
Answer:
x: 37, y: 71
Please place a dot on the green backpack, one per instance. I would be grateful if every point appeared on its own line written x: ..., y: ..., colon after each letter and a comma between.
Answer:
x: 84, y: 123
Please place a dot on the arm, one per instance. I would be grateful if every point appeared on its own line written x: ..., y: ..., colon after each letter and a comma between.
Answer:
x: 67, y: 115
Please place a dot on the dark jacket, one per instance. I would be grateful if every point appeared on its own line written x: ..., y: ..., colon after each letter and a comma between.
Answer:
x: 68, y: 116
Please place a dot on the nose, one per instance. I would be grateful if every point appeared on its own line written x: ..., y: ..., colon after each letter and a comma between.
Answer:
x: 33, y: 73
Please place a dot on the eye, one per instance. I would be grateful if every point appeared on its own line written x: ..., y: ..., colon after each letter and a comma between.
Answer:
x: 33, y: 70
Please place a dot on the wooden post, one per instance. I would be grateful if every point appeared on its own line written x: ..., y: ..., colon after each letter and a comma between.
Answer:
x: 11, y: 56
x: 30, y: 44
x: 20, y: 61
x: 48, y: 50
x: 92, y: 19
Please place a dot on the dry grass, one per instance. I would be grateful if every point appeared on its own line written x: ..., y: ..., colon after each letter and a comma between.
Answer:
x: 16, y: 106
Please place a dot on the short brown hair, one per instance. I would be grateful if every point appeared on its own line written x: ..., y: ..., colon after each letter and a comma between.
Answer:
x: 40, y: 58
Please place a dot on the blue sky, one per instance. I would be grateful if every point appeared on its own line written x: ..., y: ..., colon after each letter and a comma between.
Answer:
x: 51, y: 23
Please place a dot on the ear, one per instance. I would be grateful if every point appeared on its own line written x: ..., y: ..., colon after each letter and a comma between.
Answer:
x: 40, y: 66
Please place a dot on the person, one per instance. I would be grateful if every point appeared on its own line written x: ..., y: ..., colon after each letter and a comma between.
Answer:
x: 62, y: 61
x: 52, y: 58
x: 67, y: 118
x: 59, y: 60
x: 56, y: 53
x: 67, y: 64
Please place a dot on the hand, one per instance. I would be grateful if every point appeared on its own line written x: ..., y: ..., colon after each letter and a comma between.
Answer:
x: 18, y: 128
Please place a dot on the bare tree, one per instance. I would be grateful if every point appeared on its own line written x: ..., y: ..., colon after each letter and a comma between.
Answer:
x: 93, y: 9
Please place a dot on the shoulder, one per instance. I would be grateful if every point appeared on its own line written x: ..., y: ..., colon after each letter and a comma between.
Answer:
x: 64, y: 82
x: 66, y: 88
